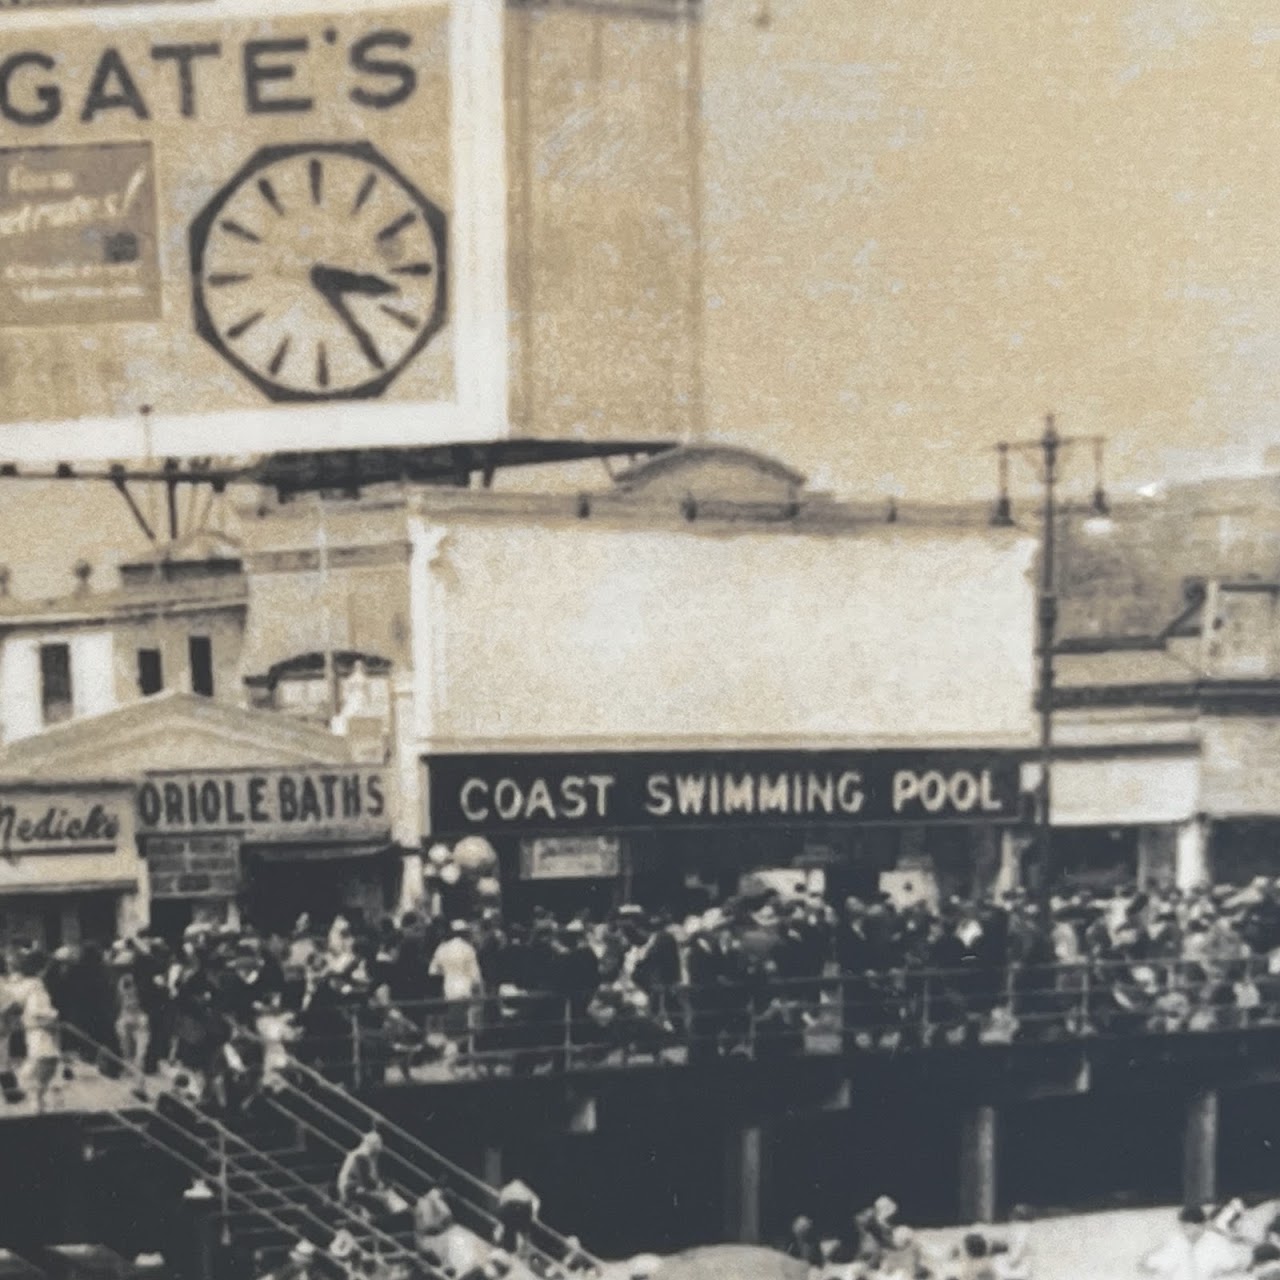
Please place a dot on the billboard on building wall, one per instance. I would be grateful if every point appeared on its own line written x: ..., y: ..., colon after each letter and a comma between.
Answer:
x: 227, y: 231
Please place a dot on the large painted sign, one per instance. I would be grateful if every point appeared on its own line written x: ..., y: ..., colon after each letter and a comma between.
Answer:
x: 268, y: 805
x: 277, y: 231
x: 622, y: 789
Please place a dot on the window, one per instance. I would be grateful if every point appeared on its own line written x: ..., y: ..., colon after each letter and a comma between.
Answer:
x: 200, y: 650
x: 150, y: 672
x: 55, y: 682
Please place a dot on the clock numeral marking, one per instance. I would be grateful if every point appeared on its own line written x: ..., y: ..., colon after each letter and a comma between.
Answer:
x: 393, y: 229
x: 269, y: 195
x: 413, y: 269
x: 366, y: 190
x: 220, y: 279
x: 315, y: 176
x: 400, y: 317
x: 371, y: 353
x: 277, y: 360
x: 232, y: 227
x: 322, y: 365
x: 242, y: 327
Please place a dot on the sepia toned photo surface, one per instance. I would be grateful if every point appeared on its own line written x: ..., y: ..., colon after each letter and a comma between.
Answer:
x: 639, y: 640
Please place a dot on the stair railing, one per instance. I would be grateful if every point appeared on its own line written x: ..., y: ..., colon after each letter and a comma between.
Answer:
x: 148, y: 1135
x: 225, y: 1155
x: 440, y: 1170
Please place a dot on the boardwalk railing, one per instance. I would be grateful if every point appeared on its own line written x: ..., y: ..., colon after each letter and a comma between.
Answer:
x: 897, y: 1010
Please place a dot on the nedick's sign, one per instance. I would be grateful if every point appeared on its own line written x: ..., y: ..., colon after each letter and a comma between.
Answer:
x: 654, y: 789
x: 267, y: 805
x: 43, y: 823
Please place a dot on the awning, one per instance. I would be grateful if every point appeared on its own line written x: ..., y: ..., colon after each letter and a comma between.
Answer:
x: 337, y: 852
x: 45, y: 888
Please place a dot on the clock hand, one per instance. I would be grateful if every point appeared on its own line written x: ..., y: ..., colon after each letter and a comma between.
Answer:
x: 335, y: 280
x: 333, y: 284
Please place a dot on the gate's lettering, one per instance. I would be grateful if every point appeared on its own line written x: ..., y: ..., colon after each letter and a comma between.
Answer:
x: 272, y: 76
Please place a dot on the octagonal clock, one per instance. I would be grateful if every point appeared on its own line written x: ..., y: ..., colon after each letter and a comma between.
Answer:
x: 319, y: 271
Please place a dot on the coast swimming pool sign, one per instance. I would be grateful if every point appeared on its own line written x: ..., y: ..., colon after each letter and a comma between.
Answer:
x: 281, y: 231
x: 618, y: 790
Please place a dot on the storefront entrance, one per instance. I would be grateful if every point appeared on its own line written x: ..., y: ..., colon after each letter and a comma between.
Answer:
x: 54, y: 920
x: 281, y: 884
x: 1245, y: 848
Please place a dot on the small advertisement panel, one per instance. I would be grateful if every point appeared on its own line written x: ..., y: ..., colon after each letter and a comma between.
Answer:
x: 271, y: 231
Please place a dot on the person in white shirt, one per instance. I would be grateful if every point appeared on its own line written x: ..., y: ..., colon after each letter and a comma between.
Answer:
x: 457, y: 965
x: 1176, y: 1258
x: 40, y: 1031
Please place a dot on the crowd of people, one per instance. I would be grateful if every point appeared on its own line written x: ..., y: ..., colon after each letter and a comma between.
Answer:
x: 755, y: 973
x: 876, y: 1246
x: 1223, y: 1242
x: 1220, y: 1242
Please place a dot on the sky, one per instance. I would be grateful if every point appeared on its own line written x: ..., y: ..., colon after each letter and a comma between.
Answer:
x: 928, y: 225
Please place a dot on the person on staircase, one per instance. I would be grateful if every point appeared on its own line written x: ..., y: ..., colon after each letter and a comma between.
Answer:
x: 361, y: 1185
x: 518, y: 1209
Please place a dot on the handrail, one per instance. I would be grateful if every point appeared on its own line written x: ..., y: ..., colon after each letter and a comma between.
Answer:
x: 550, y: 1266
x: 456, y: 1172
x: 194, y: 1167
x: 273, y: 1100
x: 1073, y: 997
x: 309, y: 1192
x: 381, y: 1121
x: 911, y: 975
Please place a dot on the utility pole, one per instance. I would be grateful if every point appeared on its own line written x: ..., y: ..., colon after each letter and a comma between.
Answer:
x: 1048, y: 452
x: 330, y: 661
x: 1047, y: 612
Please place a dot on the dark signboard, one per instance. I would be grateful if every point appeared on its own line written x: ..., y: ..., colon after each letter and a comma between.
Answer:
x: 194, y: 866
x: 619, y: 790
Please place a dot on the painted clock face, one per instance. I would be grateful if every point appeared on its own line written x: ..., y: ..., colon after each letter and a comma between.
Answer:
x: 319, y: 271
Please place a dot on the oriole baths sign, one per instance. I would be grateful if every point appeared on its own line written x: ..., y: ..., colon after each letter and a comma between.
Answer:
x: 267, y: 805
x: 618, y: 790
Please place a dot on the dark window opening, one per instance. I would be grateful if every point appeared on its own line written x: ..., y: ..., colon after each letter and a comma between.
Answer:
x: 200, y: 649
x: 55, y: 682
x: 150, y: 672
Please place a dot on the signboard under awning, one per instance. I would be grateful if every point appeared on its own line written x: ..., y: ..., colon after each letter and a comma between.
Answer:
x: 571, y: 858
x: 194, y: 866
